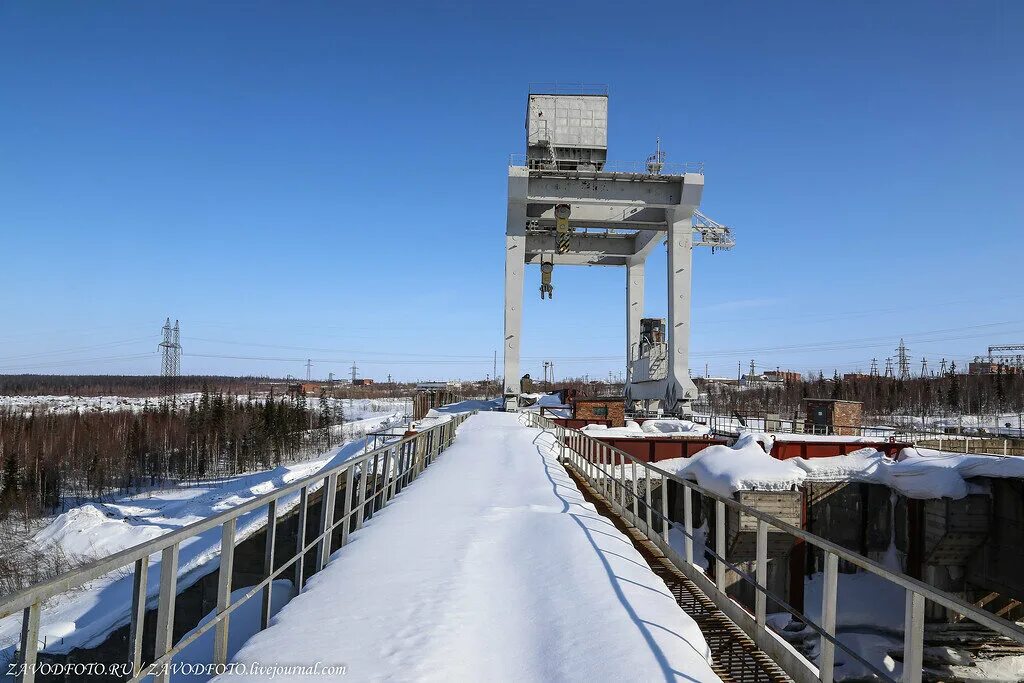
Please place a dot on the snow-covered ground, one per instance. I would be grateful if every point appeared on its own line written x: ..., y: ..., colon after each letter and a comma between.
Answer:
x: 492, y: 566
x: 84, y: 617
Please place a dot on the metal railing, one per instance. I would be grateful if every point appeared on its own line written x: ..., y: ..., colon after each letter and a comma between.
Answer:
x: 633, y: 167
x: 980, y: 444
x: 371, y: 480
x: 614, y: 474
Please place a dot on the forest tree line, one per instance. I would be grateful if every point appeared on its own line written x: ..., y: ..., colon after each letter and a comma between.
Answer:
x: 155, y: 386
x: 48, y: 459
x: 949, y: 394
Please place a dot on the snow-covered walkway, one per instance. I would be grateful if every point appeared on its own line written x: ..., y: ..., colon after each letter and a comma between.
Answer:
x: 491, y: 566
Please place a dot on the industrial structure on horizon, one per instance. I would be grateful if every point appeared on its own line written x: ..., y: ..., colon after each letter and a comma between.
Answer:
x: 569, y: 206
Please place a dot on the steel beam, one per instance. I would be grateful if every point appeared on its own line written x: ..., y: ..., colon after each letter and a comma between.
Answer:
x: 621, y: 194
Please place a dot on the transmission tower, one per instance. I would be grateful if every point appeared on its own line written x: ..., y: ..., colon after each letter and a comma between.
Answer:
x: 942, y: 367
x: 904, y: 360
x: 924, y: 367
x: 309, y: 369
x: 888, y: 368
x: 354, y: 369
x: 874, y: 367
x: 171, y: 365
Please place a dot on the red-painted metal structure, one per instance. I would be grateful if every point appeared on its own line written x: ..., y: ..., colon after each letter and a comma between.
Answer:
x: 656, y: 449
x: 784, y: 450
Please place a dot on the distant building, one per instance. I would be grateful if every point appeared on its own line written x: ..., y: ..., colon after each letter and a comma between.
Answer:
x: 985, y: 367
x: 855, y: 375
x: 760, y: 381
x: 432, y: 386
x: 362, y: 382
x: 782, y: 376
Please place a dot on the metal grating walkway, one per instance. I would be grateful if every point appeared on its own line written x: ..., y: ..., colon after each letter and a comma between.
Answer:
x: 735, y: 656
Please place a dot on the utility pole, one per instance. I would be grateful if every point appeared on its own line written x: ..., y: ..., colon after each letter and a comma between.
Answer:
x: 739, y: 371
x: 170, y: 368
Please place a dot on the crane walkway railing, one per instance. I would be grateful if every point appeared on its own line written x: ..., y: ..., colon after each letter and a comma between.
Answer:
x: 616, y: 475
x: 371, y: 480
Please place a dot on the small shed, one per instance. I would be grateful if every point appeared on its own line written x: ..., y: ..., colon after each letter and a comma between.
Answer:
x: 833, y: 416
x: 611, y: 408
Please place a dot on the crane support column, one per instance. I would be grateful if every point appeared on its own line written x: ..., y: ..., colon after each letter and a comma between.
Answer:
x: 680, y: 390
x: 515, y: 265
x: 634, y: 311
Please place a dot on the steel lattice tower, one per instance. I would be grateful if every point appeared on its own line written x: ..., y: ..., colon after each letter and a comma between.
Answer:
x: 171, y: 366
x: 904, y: 360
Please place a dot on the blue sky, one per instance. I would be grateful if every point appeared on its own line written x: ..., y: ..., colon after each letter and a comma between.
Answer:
x: 327, y: 180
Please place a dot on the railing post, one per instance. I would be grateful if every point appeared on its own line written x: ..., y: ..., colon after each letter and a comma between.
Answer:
x: 165, y: 609
x: 385, y: 489
x: 664, y: 510
x: 138, y: 623
x: 300, y: 538
x: 632, y: 492
x: 688, y: 524
x: 647, y: 500
x: 361, y: 496
x: 268, y: 562
x: 720, y: 545
x: 761, y: 574
x: 913, y: 638
x: 323, y: 549
x: 227, y: 564
x: 373, y: 498
x: 346, y: 526
x: 29, y: 642
x: 828, y: 617
x: 622, y: 483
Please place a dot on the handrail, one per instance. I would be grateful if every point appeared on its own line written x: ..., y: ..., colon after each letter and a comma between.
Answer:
x: 668, y: 170
x: 588, y: 455
x: 393, y: 467
x: 726, y: 424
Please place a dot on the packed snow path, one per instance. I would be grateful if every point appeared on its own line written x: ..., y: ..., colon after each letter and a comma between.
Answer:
x: 491, y: 566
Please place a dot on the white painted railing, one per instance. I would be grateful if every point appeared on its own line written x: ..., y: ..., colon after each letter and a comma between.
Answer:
x: 371, y: 480
x: 616, y: 475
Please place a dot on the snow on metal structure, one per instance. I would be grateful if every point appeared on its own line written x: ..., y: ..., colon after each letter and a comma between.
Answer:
x: 617, y: 476
x: 569, y: 205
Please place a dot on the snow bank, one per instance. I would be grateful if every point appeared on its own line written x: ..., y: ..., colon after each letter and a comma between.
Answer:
x: 659, y: 427
x: 413, y: 596
x: 741, y: 467
x: 916, y: 473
